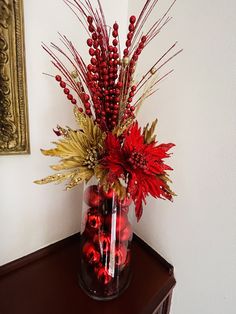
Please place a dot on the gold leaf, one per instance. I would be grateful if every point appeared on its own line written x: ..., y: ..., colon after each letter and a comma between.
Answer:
x: 119, y: 189
x: 67, y: 164
x: 148, y: 133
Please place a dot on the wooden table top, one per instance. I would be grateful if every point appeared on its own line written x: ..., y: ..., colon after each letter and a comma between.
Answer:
x: 49, y: 285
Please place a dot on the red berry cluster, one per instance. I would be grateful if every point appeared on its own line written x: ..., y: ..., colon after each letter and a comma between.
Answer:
x: 130, y: 34
x: 102, y: 75
x: 65, y: 89
x: 98, y: 237
x: 129, y: 111
x: 109, y: 80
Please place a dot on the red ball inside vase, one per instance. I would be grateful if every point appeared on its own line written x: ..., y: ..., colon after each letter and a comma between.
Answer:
x: 109, y: 194
x: 126, y: 233
x: 125, y: 202
x: 120, y: 255
x: 103, y: 241
x: 103, y: 276
x: 94, y: 220
x: 120, y: 220
x: 92, y: 196
x: 90, y: 253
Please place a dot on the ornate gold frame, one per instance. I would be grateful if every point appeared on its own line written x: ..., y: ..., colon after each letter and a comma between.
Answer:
x: 14, y: 130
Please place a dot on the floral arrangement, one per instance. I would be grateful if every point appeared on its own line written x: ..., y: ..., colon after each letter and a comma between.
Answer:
x: 109, y: 143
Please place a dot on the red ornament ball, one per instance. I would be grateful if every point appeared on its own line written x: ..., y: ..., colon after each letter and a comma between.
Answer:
x: 92, y: 196
x: 103, y: 276
x: 103, y: 241
x: 126, y: 233
x: 121, y: 221
x: 94, y: 221
x: 120, y: 255
x: 108, y: 194
x: 89, y: 232
x: 90, y: 253
x: 125, y: 202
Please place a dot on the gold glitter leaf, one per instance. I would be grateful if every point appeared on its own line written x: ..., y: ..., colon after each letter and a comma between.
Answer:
x: 80, y: 117
x: 59, y: 177
x: 79, y: 150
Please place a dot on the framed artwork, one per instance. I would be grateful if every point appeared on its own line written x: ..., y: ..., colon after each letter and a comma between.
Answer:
x: 14, y: 130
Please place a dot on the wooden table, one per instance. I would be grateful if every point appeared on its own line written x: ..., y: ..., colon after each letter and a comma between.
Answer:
x: 45, y: 282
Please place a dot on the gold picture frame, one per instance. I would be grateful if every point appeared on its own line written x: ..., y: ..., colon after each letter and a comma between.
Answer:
x: 14, y: 129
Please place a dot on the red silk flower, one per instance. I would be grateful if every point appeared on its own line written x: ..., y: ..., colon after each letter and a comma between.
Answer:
x: 139, y: 164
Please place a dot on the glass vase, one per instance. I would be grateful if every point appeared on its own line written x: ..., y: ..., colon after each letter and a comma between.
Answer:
x: 106, y: 235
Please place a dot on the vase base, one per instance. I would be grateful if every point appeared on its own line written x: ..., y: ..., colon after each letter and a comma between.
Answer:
x: 92, y: 294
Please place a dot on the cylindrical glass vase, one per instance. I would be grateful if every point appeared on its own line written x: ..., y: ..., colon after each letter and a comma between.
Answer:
x: 106, y: 236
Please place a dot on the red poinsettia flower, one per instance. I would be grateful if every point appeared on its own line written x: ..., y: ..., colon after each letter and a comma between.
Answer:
x: 139, y: 163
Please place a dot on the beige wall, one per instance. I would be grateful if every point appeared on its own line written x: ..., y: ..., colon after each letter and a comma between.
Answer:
x: 196, y: 108
x: 33, y: 216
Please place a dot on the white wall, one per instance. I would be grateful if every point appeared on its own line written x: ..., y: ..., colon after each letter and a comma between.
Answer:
x: 196, y: 108
x: 33, y: 216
